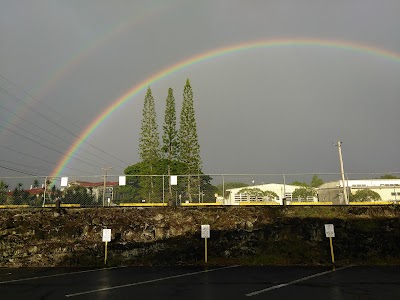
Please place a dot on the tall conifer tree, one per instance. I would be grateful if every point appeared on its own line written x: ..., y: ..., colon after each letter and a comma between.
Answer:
x: 149, y: 144
x: 189, y: 148
x: 170, y: 135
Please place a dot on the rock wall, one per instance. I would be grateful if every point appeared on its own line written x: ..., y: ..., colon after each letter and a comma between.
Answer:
x: 170, y: 236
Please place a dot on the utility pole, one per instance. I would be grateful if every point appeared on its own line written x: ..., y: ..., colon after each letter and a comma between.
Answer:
x: 339, y: 145
x: 45, y: 190
x: 104, y: 186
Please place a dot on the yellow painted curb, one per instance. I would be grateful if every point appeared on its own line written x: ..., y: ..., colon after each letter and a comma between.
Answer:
x: 143, y: 204
x: 372, y: 203
x: 258, y: 203
x: 63, y: 205
x: 14, y: 206
x: 201, y: 204
x: 310, y: 203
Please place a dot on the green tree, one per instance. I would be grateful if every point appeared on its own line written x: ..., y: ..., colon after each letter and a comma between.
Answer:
x: 20, y: 196
x: 3, y: 192
x: 170, y: 136
x: 304, y: 192
x: 389, y: 176
x: 149, y: 144
x: 76, y: 194
x: 189, y: 148
x: 36, y: 183
x: 299, y: 183
x: 316, y: 181
x: 229, y: 185
x: 364, y: 195
x: 256, y: 192
x: 134, y: 192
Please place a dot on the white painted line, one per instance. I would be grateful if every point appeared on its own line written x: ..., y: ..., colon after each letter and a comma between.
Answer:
x: 58, y: 275
x: 147, y: 281
x: 293, y: 282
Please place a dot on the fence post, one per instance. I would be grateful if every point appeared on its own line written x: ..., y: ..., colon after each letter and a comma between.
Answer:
x: 223, y: 189
x: 163, y: 189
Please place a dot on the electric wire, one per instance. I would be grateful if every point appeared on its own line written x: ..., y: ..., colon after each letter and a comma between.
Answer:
x: 18, y: 171
x: 49, y: 119
x: 48, y: 132
x: 53, y: 122
x: 40, y: 159
x: 46, y: 140
x: 23, y: 165
x: 45, y: 146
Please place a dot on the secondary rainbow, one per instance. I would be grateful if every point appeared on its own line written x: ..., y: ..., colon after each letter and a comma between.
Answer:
x: 79, y: 55
x: 275, y: 43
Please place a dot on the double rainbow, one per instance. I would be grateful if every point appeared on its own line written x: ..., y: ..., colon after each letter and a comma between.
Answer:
x: 275, y: 43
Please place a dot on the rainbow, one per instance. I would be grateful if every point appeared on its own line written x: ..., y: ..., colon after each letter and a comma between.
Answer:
x: 101, y: 40
x: 274, y: 43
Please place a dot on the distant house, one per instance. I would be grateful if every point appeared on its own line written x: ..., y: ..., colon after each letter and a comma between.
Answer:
x: 96, y: 189
x: 388, y: 189
x: 36, y: 192
x: 282, y: 190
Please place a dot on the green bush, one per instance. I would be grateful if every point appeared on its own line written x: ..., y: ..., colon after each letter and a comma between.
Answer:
x: 365, y: 195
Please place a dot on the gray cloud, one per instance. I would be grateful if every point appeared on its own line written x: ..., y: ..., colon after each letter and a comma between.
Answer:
x: 258, y: 111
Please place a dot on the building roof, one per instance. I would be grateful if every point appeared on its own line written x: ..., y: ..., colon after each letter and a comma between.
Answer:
x: 32, y: 191
x: 359, y: 183
x: 266, y: 187
x: 94, y: 184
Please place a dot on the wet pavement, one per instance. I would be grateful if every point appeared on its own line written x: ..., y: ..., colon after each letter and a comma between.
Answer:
x: 233, y: 282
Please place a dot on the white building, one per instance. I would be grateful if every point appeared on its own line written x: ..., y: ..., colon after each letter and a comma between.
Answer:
x: 282, y: 190
x: 388, y: 189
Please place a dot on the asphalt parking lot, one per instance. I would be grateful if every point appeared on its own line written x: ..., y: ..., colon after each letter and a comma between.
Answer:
x: 231, y: 282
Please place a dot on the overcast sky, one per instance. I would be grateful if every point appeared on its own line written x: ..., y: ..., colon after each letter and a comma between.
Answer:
x: 266, y: 110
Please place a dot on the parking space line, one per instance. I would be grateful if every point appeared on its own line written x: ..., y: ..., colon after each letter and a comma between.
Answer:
x: 147, y: 281
x: 295, y: 281
x: 58, y: 275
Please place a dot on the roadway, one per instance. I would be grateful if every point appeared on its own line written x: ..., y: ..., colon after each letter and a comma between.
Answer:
x: 232, y: 282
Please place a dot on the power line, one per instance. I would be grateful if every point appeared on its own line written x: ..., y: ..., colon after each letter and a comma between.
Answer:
x: 42, y: 103
x: 48, y: 132
x: 46, y: 140
x: 49, y: 119
x: 23, y: 165
x: 37, y: 158
x: 18, y: 171
x: 45, y: 146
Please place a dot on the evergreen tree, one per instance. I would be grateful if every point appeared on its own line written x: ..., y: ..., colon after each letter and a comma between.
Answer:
x: 149, y: 144
x: 189, y: 149
x: 170, y: 135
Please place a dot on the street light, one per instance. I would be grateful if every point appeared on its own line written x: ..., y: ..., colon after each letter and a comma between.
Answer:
x: 104, y: 186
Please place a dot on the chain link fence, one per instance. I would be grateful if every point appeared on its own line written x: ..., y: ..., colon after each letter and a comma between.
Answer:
x: 214, y: 189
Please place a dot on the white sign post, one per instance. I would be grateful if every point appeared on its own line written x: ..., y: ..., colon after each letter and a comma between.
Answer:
x: 173, y: 180
x: 122, y: 180
x: 205, y: 234
x: 330, y: 233
x: 64, y: 181
x: 106, y: 239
